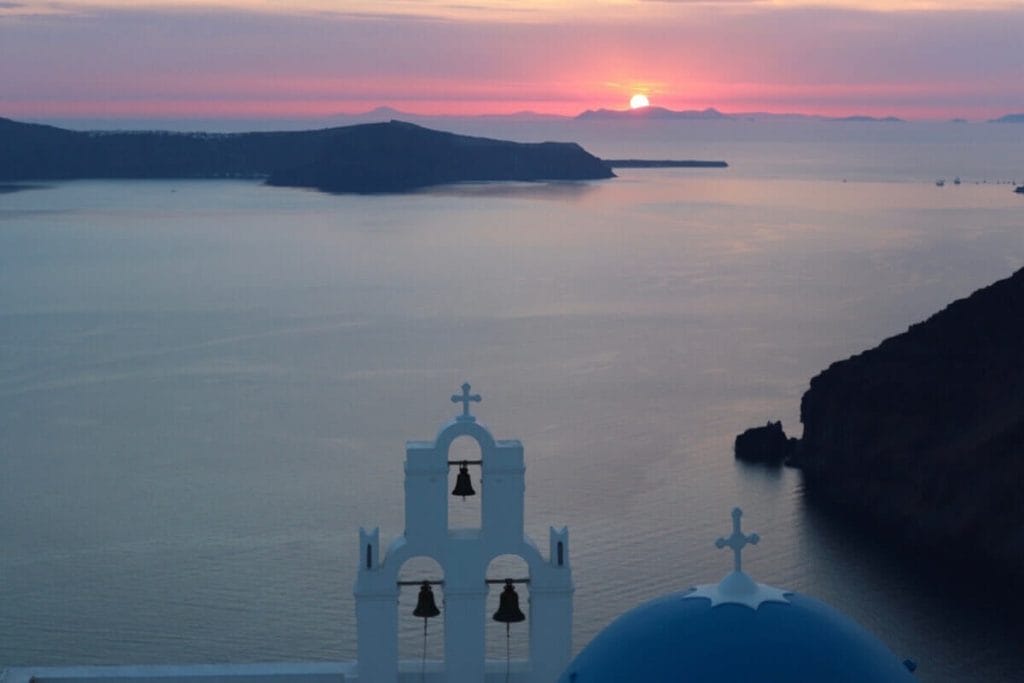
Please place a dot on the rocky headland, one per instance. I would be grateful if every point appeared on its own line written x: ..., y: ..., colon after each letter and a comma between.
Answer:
x: 374, y: 157
x: 922, y: 437
x: 768, y: 445
x: 397, y: 157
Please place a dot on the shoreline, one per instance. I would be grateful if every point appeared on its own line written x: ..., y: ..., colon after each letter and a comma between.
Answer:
x: 663, y: 163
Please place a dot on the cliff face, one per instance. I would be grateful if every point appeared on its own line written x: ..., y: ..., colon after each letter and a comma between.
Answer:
x: 924, y: 434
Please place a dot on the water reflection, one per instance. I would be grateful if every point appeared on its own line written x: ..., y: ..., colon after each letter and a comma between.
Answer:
x: 549, y: 190
x: 7, y: 188
x: 924, y: 594
x: 205, y: 393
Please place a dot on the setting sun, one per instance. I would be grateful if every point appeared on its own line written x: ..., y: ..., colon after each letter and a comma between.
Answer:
x: 638, y: 101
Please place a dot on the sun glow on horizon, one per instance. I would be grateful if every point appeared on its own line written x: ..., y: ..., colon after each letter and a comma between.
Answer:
x: 209, y: 58
x: 639, y: 101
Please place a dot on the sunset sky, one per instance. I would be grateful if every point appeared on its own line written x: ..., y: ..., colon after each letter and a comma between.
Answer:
x: 927, y: 59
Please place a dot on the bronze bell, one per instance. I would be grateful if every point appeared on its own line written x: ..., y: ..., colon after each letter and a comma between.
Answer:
x: 508, y: 606
x: 463, y: 485
x: 425, y: 605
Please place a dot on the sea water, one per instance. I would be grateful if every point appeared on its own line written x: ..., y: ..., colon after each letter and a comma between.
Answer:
x: 206, y: 386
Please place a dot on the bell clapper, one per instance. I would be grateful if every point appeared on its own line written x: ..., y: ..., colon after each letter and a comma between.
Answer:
x: 508, y: 649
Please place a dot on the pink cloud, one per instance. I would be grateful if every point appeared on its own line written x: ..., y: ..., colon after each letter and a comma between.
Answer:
x: 814, y: 59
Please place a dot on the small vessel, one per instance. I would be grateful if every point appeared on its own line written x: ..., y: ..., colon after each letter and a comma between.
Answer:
x: 941, y: 182
x: 1019, y: 189
x: 956, y: 181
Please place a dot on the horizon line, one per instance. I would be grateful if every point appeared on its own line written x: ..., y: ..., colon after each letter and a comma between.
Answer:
x: 519, y: 113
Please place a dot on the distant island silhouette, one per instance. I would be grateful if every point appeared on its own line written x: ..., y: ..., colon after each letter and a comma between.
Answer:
x: 868, y: 119
x: 397, y: 157
x: 644, y: 113
x: 365, y: 158
x: 1010, y: 118
x: 711, y: 114
x: 383, y: 113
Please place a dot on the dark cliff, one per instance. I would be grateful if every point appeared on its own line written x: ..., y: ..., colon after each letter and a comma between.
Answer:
x: 380, y: 157
x: 36, y: 152
x: 768, y: 444
x: 396, y: 156
x: 923, y: 436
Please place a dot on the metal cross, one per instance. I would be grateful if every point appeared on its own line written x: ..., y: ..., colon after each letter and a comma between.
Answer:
x: 737, y: 541
x: 465, y: 399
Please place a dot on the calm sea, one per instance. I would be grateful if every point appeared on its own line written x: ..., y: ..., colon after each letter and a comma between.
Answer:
x: 206, y: 387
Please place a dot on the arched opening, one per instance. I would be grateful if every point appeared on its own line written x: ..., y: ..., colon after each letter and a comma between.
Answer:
x: 517, y: 644
x: 464, y: 513
x: 410, y: 628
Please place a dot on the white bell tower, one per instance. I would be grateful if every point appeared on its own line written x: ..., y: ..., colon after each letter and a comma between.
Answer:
x: 464, y: 555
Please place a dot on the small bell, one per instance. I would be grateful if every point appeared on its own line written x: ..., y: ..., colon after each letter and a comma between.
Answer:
x: 508, y: 606
x: 463, y: 485
x: 425, y: 605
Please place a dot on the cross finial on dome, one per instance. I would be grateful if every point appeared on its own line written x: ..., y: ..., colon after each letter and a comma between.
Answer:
x: 737, y: 541
x: 465, y: 400
x: 736, y: 588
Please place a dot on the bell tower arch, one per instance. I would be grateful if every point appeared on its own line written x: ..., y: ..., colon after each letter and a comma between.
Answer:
x: 464, y: 556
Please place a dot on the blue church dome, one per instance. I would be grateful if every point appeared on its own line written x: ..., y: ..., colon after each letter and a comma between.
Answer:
x: 734, y: 631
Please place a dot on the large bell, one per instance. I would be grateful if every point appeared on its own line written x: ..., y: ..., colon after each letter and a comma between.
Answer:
x: 425, y: 605
x: 508, y: 606
x: 463, y: 485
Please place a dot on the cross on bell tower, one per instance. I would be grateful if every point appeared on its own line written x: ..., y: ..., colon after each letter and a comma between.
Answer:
x: 737, y: 541
x: 465, y: 400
